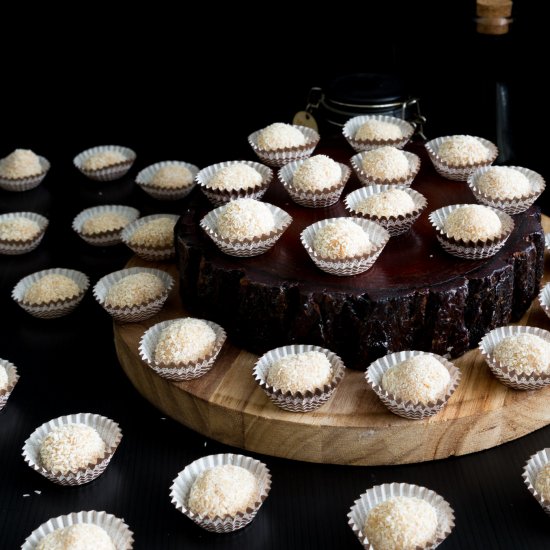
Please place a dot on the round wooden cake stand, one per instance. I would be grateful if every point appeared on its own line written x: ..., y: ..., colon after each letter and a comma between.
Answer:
x: 353, y: 427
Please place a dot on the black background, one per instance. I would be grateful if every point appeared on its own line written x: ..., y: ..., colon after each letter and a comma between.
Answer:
x: 192, y: 87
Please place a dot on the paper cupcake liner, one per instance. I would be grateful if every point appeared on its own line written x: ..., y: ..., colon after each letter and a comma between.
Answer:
x: 470, y: 250
x: 122, y: 537
x: 179, y: 371
x: 408, y: 409
x: 109, y: 173
x: 138, y: 312
x: 544, y: 299
x: 394, y: 225
x: 50, y: 310
x: 510, y: 377
x: 312, y: 199
x: 280, y: 157
x: 414, y: 166
x: 219, y: 197
x: 353, y: 124
x: 379, y: 493
x: 143, y: 179
x: 509, y: 205
x: 108, y: 430
x: 377, y: 235
x: 460, y: 172
x: 103, y: 238
x: 247, y: 247
x: 149, y: 253
x: 13, y: 377
x: 12, y: 247
x: 298, y: 402
x: 547, y: 241
x: 530, y: 472
x: 181, y: 486
x: 28, y: 182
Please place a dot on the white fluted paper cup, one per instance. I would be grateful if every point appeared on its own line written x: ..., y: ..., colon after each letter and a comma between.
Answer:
x: 544, y: 299
x: 547, y: 241
x: 122, y: 537
x: 107, y: 429
x: 179, y: 371
x: 151, y: 253
x: 13, y: 377
x: 181, y: 487
x: 103, y: 238
x: 162, y: 192
x: 58, y: 308
x: 353, y: 124
x: 26, y: 182
x: 530, y: 472
x: 14, y: 247
x: 108, y: 173
x: 366, y: 179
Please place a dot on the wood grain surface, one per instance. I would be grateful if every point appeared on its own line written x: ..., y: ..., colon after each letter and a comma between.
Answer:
x: 353, y: 427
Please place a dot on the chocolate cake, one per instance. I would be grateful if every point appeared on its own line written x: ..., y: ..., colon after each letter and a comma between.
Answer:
x: 416, y: 296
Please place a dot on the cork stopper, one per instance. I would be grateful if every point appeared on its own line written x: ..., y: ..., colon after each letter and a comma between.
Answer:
x: 493, y: 16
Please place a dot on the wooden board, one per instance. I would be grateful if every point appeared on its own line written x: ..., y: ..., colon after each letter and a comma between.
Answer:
x: 353, y: 427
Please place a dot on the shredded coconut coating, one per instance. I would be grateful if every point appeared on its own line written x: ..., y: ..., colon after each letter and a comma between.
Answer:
x: 317, y: 173
x: 341, y: 239
x: 393, y: 202
x: 472, y: 223
x: 503, y: 182
x: 70, y: 447
x: 135, y: 289
x: 223, y: 490
x: 21, y: 163
x: 300, y: 372
x: 3, y: 377
x: 386, y: 163
x: 103, y: 159
x: 280, y: 136
x: 374, y: 130
x: 156, y: 233
x: 235, y: 177
x: 172, y: 176
x: 50, y: 288
x: 184, y: 341
x: 420, y: 379
x: 542, y: 483
x: 525, y: 353
x: 401, y: 523
x: 79, y: 536
x: 106, y: 221
x: 462, y: 150
x: 18, y: 229
x: 244, y: 219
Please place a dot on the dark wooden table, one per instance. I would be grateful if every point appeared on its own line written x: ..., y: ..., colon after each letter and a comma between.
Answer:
x: 69, y: 365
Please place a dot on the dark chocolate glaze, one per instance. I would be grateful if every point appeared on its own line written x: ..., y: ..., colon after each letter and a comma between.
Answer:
x: 416, y: 296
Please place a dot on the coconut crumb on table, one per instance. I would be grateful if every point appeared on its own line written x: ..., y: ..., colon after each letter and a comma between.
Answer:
x: 462, y: 150
x: 542, y: 482
x: 419, y: 379
x: 235, y: 177
x: 223, y: 490
x: 525, y: 353
x: 401, y: 523
x: 18, y: 229
x: 300, y: 372
x: 135, y: 289
x: 317, y: 173
x: 105, y: 221
x: 79, y: 536
x: 156, y: 233
x: 393, y: 202
x: 472, y: 223
x: 244, y: 219
x: 280, y: 136
x: 341, y: 239
x: 172, y: 176
x: 185, y: 340
x: 375, y: 130
x: 503, y: 182
x: 385, y: 163
x: 103, y: 159
x: 4, y: 380
x: 70, y: 447
x: 21, y: 163
x: 51, y: 288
